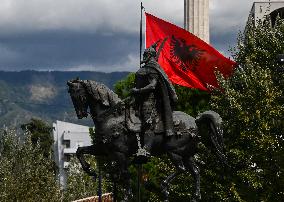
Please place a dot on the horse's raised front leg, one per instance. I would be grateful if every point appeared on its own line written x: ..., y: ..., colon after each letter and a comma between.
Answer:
x: 193, y: 168
x: 81, y: 151
x: 165, y: 184
x: 177, y: 161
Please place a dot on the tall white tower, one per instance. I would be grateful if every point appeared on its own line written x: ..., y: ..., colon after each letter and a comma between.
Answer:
x: 196, y: 18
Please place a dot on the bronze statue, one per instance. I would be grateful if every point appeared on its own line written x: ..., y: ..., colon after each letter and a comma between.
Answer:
x: 117, y: 125
x: 155, y: 96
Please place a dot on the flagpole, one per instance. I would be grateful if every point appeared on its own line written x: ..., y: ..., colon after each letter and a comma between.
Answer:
x: 141, y: 11
x: 139, y: 169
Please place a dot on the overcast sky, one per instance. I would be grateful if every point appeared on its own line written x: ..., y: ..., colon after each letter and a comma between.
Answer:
x: 98, y: 35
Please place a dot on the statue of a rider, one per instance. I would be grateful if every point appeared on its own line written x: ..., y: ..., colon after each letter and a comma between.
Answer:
x: 154, y: 97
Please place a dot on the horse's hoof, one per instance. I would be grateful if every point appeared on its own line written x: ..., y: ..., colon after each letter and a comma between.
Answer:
x: 166, y: 193
x: 196, y: 199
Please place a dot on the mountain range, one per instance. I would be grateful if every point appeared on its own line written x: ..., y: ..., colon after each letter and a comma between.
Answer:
x: 43, y: 95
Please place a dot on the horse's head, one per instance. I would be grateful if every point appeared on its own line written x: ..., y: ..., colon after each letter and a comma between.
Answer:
x: 78, y: 95
x: 92, y: 94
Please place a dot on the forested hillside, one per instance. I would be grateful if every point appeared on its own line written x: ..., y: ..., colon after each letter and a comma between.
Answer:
x: 43, y: 95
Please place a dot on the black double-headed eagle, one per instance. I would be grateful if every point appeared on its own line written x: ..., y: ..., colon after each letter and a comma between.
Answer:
x: 185, y: 56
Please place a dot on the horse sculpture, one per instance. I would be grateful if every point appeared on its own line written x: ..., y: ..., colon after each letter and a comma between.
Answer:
x: 114, y: 139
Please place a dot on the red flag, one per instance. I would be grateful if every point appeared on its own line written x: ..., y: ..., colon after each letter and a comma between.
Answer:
x: 187, y: 60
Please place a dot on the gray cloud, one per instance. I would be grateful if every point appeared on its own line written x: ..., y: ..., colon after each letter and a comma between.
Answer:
x: 7, y: 55
x: 100, y: 35
x: 228, y: 14
x: 227, y: 19
x: 69, y: 50
x: 86, y: 15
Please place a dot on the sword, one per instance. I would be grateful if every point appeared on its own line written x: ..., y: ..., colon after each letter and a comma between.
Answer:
x: 161, y: 47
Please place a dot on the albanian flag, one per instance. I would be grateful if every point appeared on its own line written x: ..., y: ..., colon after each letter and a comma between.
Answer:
x: 186, y: 59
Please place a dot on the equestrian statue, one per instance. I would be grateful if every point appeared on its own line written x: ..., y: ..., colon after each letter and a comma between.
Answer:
x: 144, y: 124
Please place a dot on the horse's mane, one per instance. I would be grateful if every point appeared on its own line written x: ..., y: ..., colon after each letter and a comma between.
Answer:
x: 102, y: 93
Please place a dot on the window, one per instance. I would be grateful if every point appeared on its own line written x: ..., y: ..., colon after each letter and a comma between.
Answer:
x: 66, y: 143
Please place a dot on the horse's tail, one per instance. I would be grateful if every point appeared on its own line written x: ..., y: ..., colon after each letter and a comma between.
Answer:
x: 211, y: 121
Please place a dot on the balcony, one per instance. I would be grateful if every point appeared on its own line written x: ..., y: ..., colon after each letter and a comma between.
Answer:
x: 69, y: 150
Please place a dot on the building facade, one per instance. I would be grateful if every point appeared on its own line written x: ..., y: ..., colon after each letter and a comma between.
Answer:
x: 262, y: 9
x: 196, y: 18
x: 67, y: 138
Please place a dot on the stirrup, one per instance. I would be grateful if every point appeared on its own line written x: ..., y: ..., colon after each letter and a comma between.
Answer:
x: 142, y: 156
x: 142, y: 152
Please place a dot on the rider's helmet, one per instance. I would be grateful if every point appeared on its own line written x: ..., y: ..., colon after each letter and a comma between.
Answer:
x: 150, y: 53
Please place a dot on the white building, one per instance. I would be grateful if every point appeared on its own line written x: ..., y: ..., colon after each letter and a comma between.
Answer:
x: 196, y: 18
x: 67, y: 138
x: 261, y: 9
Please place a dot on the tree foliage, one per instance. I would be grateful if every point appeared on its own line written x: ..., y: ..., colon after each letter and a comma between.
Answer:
x: 123, y: 87
x: 40, y: 135
x: 79, y: 185
x: 25, y: 174
x: 251, y: 105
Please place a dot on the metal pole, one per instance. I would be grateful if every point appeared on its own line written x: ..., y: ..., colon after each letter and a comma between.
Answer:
x: 114, y: 192
x: 140, y: 165
x: 141, y: 34
x: 139, y: 182
x: 100, y: 184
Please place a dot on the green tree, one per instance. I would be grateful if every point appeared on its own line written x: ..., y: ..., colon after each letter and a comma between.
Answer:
x: 122, y: 88
x: 79, y: 185
x: 192, y: 101
x: 40, y: 134
x: 252, y: 106
x: 25, y: 174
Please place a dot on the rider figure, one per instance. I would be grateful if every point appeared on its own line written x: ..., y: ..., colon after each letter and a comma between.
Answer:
x: 154, y: 96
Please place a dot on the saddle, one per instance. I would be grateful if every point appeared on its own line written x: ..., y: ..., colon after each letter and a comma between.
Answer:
x: 133, y: 124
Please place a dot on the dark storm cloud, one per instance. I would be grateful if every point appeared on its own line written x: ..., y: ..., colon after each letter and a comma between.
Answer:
x: 224, y: 41
x: 67, y: 50
x: 101, y: 35
x: 97, y: 35
x: 227, y: 19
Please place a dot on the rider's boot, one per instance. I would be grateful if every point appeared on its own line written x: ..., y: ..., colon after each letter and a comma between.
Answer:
x: 143, y: 154
x: 148, y: 141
